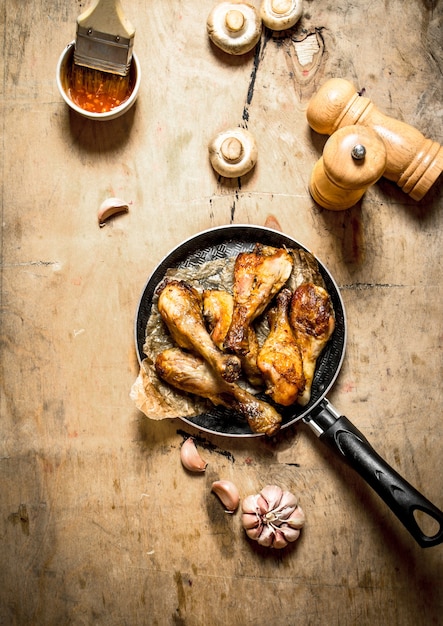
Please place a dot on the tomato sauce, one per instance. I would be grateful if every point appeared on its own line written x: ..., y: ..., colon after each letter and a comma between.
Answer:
x: 96, y: 91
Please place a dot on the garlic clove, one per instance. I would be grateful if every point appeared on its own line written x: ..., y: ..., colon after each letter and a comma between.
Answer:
x: 287, y: 505
x: 250, y: 520
x: 249, y: 504
x: 254, y: 533
x: 191, y: 458
x: 272, y: 494
x: 262, y: 505
x: 288, y: 500
x: 279, y: 540
x: 227, y: 493
x: 290, y: 534
x: 297, y: 519
x: 110, y: 207
x: 266, y: 536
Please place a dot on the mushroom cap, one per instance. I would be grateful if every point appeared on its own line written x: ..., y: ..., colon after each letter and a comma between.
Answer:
x: 280, y: 14
x: 233, y: 152
x: 234, y: 27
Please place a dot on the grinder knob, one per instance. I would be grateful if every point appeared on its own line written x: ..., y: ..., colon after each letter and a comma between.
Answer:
x: 413, y: 161
x: 354, y: 158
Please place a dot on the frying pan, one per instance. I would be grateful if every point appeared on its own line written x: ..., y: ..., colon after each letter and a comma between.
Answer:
x: 330, y: 426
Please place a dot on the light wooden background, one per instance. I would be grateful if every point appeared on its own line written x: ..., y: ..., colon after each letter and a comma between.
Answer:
x: 99, y: 523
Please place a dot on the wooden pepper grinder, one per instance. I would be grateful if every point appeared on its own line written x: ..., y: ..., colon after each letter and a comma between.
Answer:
x: 354, y: 158
x: 413, y: 161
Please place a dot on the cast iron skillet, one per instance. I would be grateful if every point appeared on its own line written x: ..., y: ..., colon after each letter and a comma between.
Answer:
x: 328, y: 424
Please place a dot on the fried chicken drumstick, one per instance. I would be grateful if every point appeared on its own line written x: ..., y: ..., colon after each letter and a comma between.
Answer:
x: 312, y: 319
x: 280, y: 359
x: 218, y: 306
x: 180, y: 306
x: 258, y: 276
x: 190, y: 373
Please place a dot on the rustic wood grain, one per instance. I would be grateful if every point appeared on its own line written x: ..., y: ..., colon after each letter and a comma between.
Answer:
x: 100, y: 524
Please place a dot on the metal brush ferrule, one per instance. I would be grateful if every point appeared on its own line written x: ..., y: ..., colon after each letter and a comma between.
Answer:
x: 102, y: 51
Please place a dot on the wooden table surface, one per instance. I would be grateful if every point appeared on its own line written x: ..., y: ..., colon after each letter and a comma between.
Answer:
x: 100, y: 524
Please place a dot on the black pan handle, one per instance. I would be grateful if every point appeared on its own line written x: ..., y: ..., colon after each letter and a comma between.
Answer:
x: 343, y: 437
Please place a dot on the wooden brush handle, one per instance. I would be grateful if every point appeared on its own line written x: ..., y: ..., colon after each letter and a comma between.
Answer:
x: 354, y: 158
x: 106, y: 16
x: 413, y: 161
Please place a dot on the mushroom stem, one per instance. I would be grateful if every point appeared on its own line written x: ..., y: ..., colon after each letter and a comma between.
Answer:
x: 234, y: 20
x: 232, y: 149
x: 280, y: 14
x: 281, y: 6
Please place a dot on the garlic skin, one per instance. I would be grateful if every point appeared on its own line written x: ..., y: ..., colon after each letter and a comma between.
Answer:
x: 234, y: 27
x: 190, y: 457
x: 280, y: 14
x: 272, y: 517
x: 227, y: 493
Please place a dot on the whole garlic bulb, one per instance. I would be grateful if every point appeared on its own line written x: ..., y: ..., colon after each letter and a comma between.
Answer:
x: 272, y: 517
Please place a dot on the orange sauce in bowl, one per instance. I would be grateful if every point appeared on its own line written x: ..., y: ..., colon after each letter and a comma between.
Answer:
x: 96, y: 91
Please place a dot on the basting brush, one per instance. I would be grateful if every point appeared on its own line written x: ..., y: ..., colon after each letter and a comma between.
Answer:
x: 100, y: 77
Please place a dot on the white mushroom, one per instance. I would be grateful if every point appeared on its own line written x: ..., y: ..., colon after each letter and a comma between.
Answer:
x: 233, y: 153
x: 280, y: 14
x: 235, y: 27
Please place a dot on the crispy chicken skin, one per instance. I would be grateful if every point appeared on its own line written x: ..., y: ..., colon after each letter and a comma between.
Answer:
x: 180, y: 306
x: 217, y: 310
x: 280, y: 359
x: 192, y: 374
x: 218, y: 306
x: 312, y: 319
x: 258, y: 276
x: 249, y: 360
